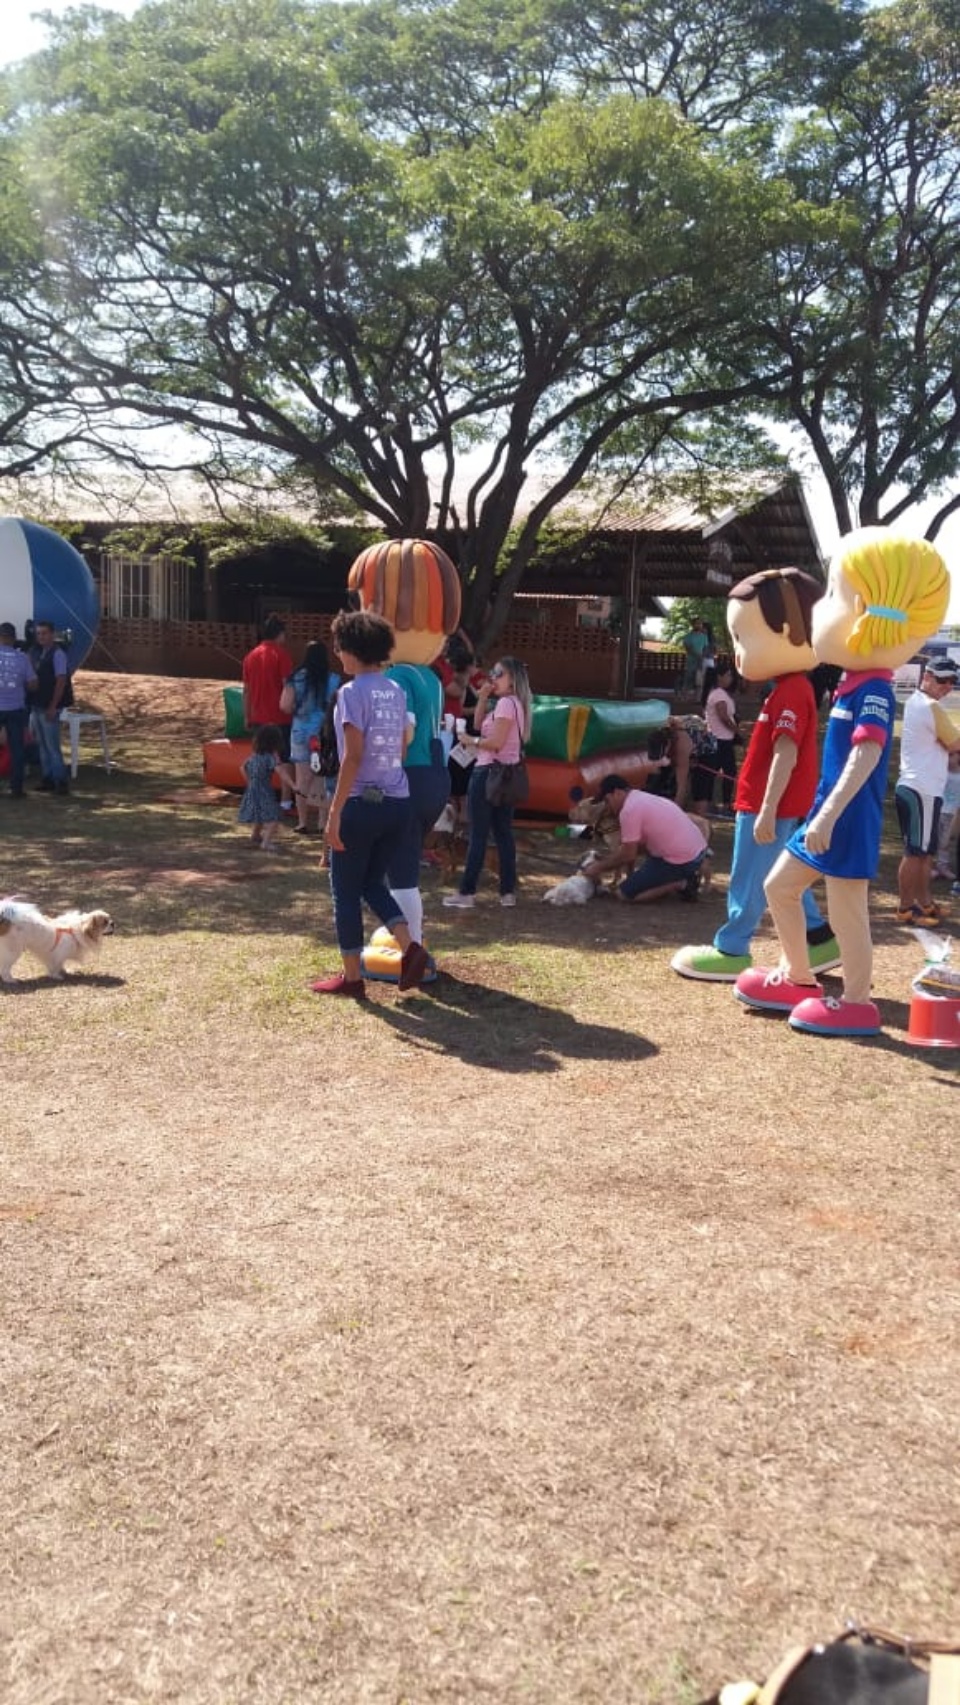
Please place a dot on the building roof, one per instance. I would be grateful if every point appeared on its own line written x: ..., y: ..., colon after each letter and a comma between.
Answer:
x: 672, y: 547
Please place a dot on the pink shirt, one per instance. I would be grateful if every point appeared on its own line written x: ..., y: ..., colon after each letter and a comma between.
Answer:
x: 660, y: 827
x: 509, y: 710
x: 716, y: 726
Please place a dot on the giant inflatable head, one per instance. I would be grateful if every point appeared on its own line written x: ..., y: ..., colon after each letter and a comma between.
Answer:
x: 416, y: 587
x: 769, y: 617
x: 43, y: 579
x: 886, y: 594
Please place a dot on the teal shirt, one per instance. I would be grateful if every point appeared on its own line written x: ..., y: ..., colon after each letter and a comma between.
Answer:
x: 424, y: 695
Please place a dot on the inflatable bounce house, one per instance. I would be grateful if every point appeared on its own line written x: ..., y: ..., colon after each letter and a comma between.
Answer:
x: 43, y: 579
x: 573, y: 745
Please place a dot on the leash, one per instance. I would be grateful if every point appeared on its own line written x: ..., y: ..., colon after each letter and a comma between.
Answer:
x: 902, y: 1643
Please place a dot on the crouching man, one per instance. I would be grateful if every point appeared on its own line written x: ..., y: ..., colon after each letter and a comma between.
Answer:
x: 673, y: 847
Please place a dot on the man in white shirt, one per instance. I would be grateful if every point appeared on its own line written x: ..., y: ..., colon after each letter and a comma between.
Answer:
x: 929, y: 736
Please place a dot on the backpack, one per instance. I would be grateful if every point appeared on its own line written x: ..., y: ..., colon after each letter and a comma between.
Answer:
x: 324, y: 756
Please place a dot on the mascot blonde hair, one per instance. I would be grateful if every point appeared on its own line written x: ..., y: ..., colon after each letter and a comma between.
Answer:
x: 904, y: 587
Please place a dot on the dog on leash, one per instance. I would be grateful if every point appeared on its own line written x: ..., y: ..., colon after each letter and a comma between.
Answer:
x: 71, y: 938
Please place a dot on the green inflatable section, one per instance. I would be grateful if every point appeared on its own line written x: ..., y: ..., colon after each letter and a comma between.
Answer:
x: 234, y: 726
x: 568, y: 728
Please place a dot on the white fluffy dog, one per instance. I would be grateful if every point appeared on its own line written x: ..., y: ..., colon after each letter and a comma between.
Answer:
x: 574, y: 890
x: 577, y: 889
x: 73, y: 936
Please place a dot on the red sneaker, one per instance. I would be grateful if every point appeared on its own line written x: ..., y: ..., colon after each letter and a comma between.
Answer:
x: 339, y: 985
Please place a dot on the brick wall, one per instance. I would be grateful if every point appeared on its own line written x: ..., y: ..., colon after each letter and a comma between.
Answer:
x: 584, y: 662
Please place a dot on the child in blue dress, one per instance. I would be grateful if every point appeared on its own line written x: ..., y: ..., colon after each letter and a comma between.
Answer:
x: 260, y: 805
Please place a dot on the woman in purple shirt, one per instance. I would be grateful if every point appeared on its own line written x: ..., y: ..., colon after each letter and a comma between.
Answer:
x: 369, y: 813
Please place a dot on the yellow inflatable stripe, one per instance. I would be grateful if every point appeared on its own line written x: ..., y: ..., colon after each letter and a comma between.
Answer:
x: 576, y: 729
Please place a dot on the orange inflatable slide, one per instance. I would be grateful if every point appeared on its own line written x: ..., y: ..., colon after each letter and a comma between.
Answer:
x: 551, y: 779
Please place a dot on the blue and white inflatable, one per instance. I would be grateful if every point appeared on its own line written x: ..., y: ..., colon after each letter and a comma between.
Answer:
x: 43, y: 579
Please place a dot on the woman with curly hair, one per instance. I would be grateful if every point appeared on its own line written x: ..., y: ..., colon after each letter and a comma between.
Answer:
x: 369, y: 814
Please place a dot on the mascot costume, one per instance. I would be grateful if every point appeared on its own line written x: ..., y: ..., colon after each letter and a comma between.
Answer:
x: 769, y: 616
x: 885, y: 595
x: 416, y: 588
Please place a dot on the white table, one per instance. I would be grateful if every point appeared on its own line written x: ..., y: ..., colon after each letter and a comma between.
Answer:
x: 75, y: 721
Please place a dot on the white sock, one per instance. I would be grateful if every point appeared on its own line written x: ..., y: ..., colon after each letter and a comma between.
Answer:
x: 411, y: 904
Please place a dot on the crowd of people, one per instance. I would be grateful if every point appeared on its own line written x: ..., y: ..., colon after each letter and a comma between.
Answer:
x: 378, y: 789
x: 355, y: 754
x: 35, y: 688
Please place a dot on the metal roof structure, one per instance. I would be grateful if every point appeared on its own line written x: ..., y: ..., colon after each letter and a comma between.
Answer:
x: 673, y: 548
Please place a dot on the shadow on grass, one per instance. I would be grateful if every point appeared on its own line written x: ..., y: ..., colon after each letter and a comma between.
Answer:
x: 503, y: 1032
x: 80, y: 979
x: 894, y: 1016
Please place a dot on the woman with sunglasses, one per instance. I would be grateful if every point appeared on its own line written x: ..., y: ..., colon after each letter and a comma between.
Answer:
x: 501, y: 730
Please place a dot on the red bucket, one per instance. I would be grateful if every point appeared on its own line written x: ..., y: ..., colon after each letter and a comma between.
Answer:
x: 934, y: 1021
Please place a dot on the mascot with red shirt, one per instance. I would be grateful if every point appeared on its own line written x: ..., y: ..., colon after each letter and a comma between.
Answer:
x: 769, y: 616
x: 885, y: 595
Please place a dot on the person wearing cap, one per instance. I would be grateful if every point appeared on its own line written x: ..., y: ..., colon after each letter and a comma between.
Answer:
x: 673, y: 845
x: 929, y: 736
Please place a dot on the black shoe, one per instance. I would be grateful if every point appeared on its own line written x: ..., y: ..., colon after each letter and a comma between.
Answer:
x: 17, y: 793
x: 62, y: 787
x: 691, y: 888
x: 45, y: 786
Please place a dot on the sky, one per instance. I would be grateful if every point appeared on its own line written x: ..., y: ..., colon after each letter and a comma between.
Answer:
x: 23, y: 33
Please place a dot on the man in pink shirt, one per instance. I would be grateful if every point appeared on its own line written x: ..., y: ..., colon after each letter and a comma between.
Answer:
x: 673, y: 845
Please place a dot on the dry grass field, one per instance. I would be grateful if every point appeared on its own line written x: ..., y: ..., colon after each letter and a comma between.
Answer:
x: 561, y: 1334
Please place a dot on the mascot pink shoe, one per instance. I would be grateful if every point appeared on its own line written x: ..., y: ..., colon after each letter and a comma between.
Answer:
x: 772, y: 991
x: 832, y: 1017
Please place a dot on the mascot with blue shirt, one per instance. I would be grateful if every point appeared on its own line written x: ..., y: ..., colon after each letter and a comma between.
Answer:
x: 885, y: 595
x: 415, y: 586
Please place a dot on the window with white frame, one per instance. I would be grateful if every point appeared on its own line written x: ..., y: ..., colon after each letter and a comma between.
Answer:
x: 155, y: 588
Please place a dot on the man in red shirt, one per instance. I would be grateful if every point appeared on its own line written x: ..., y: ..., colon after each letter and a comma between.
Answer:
x: 769, y: 618
x: 265, y: 669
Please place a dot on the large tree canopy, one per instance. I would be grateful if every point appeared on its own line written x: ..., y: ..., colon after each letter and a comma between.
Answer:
x: 869, y: 321
x: 372, y: 241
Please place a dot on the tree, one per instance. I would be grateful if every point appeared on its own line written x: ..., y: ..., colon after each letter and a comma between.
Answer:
x: 38, y: 417
x: 300, y: 233
x: 866, y: 320
x: 684, y: 611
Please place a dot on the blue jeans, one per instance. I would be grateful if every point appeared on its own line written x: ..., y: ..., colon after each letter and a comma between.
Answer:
x: 15, y: 723
x: 429, y: 791
x: 47, y: 736
x: 657, y: 873
x: 746, y: 901
x: 371, y: 835
x: 487, y: 819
